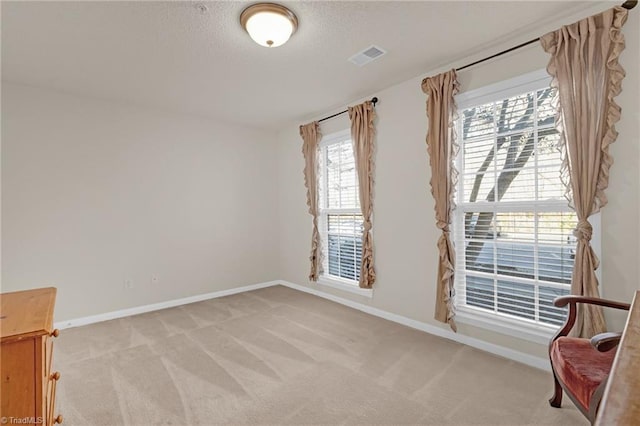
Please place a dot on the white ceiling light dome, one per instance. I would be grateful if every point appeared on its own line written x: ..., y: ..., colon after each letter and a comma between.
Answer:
x: 269, y: 24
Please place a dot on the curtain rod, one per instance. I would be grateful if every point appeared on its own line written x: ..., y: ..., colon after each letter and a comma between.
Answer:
x: 374, y: 100
x: 629, y: 4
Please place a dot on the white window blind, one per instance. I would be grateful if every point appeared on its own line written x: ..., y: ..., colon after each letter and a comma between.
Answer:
x: 513, y: 227
x: 341, y: 219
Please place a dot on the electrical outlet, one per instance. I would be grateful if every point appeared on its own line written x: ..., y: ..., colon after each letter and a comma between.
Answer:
x: 128, y: 284
x: 155, y: 279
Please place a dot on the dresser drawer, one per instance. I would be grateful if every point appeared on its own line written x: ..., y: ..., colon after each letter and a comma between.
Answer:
x: 51, y: 417
x: 47, y: 354
x: 51, y: 384
x: 48, y: 379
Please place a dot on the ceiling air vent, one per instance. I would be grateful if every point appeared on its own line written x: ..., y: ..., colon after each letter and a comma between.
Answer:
x: 367, y: 55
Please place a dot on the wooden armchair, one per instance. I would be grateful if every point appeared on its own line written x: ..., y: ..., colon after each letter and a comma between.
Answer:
x: 581, y: 366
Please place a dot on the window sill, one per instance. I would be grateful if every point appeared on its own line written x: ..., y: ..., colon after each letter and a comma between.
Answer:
x: 345, y: 286
x: 504, y: 325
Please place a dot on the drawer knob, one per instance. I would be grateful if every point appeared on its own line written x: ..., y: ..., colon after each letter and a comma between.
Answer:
x: 58, y: 419
x: 55, y: 376
x: 55, y: 332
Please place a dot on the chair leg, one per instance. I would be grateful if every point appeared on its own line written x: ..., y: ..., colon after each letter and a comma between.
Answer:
x: 556, y: 399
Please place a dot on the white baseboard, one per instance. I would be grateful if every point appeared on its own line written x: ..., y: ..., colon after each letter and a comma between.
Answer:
x: 533, y: 361
x: 157, y: 306
x: 518, y: 356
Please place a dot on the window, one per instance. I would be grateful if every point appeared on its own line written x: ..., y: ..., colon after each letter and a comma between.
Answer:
x: 513, y: 226
x: 340, y: 215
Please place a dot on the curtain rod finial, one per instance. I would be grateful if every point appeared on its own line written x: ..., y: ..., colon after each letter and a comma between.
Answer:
x: 630, y: 4
x: 374, y: 100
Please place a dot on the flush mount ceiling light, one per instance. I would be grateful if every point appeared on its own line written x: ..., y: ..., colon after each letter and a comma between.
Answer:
x: 269, y: 24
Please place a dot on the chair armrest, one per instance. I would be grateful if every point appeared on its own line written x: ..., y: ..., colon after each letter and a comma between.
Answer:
x: 564, y: 300
x: 572, y: 301
x: 604, y: 342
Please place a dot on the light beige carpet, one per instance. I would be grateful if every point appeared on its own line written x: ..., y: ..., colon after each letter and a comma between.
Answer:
x: 279, y: 356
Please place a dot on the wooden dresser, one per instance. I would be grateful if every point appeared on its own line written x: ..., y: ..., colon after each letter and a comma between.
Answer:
x: 28, y: 390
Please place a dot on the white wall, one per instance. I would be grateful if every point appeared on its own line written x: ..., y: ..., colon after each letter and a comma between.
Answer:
x: 404, y: 226
x: 95, y: 192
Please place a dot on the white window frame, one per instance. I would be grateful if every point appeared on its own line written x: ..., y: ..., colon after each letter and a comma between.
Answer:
x: 324, y: 278
x: 502, y: 323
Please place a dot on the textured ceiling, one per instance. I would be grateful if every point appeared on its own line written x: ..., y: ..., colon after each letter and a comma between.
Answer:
x: 171, y: 56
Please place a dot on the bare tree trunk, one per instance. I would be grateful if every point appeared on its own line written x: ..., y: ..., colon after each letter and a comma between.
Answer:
x: 487, y: 162
x: 482, y: 228
x: 483, y: 224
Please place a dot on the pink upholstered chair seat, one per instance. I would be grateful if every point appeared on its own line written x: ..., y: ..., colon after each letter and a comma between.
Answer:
x: 581, y: 367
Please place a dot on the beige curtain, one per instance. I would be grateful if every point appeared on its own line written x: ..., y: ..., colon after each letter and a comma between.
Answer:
x: 362, y: 133
x: 311, y: 136
x: 442, y: 148
x: 585, y: 70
